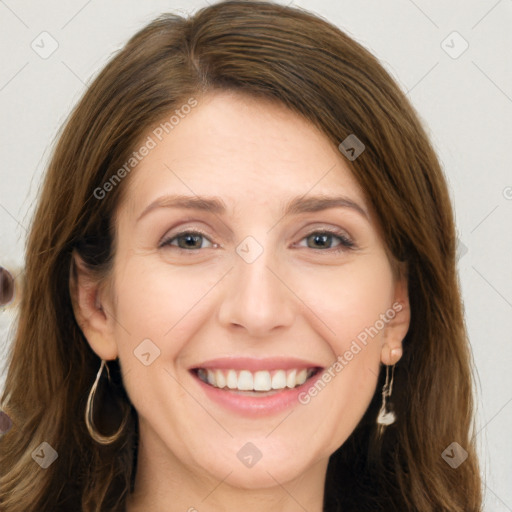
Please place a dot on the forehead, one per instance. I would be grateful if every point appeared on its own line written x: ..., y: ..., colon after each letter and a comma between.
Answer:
x: 243, y: 149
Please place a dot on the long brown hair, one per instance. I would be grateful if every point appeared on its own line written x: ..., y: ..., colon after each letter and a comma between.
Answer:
x: 316, y: 70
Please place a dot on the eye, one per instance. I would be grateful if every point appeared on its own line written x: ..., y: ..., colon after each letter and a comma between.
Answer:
x: 323, y: 240
x: 320, y: 240
x: 187, y: 240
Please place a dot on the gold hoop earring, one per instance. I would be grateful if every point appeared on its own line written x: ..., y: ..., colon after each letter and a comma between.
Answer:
x: 89, y: 413
x: 386, y: 416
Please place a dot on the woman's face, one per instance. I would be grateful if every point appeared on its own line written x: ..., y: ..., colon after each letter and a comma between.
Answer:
x: 230, y: 267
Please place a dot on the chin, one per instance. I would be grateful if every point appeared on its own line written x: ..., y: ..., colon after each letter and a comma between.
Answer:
x: 269, y: 470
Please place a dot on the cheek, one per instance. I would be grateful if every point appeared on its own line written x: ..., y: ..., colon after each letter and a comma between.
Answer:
x: 354, y: 304
x: 161, y: 303
x: 153, y: 296
x: 158, y: 311
x: 349, y: 300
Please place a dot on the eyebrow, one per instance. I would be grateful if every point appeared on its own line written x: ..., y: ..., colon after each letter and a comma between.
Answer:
x: 217, y: 206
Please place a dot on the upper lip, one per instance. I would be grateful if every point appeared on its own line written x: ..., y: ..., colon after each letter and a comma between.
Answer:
x: 254, y: 364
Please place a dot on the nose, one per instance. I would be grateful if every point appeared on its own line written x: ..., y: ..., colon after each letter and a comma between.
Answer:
x: 257, y: 297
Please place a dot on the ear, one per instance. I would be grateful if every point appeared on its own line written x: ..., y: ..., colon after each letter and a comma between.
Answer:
x: 91, y: 305
x: 398, y: 325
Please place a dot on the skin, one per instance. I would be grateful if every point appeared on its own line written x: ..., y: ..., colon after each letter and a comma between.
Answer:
x: 298, y: 298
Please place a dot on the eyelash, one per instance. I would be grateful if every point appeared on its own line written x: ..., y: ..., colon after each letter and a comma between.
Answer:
x: 345, y: 242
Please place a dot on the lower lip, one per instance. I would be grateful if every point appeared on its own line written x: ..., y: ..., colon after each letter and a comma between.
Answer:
x: 257, y: 406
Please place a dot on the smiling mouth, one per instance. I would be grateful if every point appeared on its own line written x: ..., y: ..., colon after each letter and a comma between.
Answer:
x: 255, y: 383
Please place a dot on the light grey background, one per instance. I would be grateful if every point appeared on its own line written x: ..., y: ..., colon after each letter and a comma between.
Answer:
x: 464, y: 102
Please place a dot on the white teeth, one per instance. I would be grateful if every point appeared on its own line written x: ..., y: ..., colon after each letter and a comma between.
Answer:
x: 245, y: 381
x: 279, y: 380
x: 301, y: 377
x: 220, y: 379
x: 290, y: 379
x: 258, y: 381
x: 232, y: 380
x: 262, y: 381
